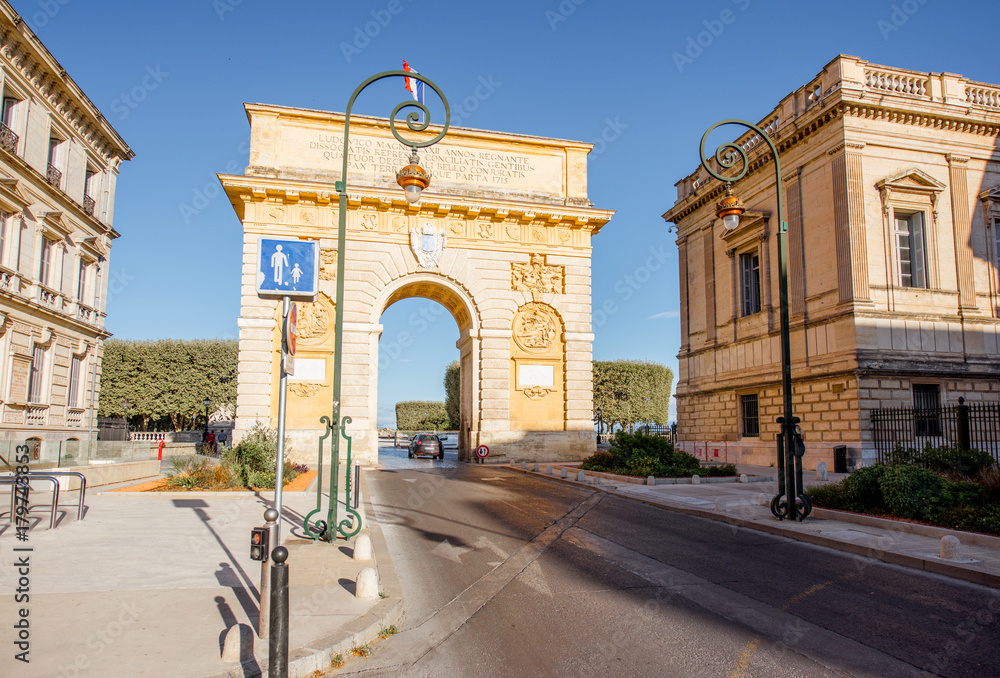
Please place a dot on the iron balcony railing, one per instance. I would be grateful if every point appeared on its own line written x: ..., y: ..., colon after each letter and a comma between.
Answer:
x: 88, y: 205
x: 8, y: 139
x: 53, y: 176
x: 976, y: 426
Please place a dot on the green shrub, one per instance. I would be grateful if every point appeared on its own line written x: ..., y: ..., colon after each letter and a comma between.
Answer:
x: 863, y: 491
x: 832, y: 496
x: 955, y: 460
x: 909, y: 491
x: 641, y: 455
x: 254, y: 459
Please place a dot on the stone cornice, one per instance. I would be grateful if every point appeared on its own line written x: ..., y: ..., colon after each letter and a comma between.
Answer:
x: 25, y: 54
x: 246, y: 189
x: 977, y: 113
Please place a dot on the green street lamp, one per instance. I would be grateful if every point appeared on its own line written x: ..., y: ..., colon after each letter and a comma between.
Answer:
x: 125, y: 408
x: 791, y: 501
x: 413, y: 179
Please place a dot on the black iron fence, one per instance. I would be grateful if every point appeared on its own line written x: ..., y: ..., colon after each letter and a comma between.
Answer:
x: 975, y: 426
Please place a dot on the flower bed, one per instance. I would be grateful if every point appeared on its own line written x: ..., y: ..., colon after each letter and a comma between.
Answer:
x: 640, y: 456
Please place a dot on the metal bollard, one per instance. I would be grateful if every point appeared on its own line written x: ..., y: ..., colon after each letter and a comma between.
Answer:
x: 271, y: 523
x: 277, y: 665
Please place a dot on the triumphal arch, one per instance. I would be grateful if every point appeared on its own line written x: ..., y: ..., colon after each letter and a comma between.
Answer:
x: 501, y: 238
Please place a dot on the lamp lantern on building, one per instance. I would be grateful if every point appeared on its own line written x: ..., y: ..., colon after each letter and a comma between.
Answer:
x: 413, y: 179
x: 730, y: 209
x: 207, y: 402
x: 791, y: 501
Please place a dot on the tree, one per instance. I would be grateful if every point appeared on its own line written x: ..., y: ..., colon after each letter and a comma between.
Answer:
x: 165, y: 381
x: 453, y: 391
x: 630, y: 391
x: 420, y: 415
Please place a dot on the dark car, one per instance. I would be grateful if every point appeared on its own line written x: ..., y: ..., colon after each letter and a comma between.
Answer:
x: 426, y: 444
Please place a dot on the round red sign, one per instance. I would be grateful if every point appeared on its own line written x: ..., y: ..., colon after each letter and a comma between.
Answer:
x: 482, y: 451
x: 291, y: 331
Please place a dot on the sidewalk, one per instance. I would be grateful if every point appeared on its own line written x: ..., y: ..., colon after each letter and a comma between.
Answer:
x: 748, y: 505
x: 154, y: 580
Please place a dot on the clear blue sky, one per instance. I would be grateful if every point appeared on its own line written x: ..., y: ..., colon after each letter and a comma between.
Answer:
x: 571, y: 69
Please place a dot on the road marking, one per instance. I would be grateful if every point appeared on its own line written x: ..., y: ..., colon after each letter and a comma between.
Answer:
x: 448, y: 552
x: 744, y: 659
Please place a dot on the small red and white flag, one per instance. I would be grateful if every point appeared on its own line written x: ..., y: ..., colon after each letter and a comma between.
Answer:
x: 413, y: 85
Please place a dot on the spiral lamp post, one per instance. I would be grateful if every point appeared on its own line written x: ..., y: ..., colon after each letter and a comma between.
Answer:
x: 791, y: 501
x: 413, y: 179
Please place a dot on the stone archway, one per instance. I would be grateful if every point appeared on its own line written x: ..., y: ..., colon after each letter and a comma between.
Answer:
x: 501, y: 239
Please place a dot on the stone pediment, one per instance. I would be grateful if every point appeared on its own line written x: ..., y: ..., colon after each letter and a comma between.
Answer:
x: 910, y: 180
x: 11, y: 196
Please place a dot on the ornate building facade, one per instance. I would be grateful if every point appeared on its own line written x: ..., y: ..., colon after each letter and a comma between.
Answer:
x: 892, y: 183
x: 59, y: 159
x: 501, y: 239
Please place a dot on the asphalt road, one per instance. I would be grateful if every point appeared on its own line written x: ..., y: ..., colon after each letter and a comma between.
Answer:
x: 507, y: 575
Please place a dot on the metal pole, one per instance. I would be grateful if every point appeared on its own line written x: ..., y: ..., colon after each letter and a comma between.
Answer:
x: 271, y: 523
x: 357, y: 482
x: 726, y: 157
x: 414, y: 123
x: 277, y: 665
x: 279, y: 471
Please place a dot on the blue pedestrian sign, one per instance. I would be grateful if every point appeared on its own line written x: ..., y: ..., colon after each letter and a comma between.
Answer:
x: 288, y: 268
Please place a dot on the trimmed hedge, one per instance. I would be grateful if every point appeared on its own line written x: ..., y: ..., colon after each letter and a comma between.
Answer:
x: 421, y: 415
x: 641, y: 455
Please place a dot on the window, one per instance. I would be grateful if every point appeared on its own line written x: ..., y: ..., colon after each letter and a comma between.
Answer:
x: 73, y: 397
x: 54, y: 175
x: 996, y: 234
x: 45, y: 271
x: 750, y: 416
x: 81, y: 287
x: 750, y: 283
x: 8, y: 123
x: 35, y: 376
x: 5, y: 221
x: 927, y: 409
x: 910, y: 250
x: 90, y: 190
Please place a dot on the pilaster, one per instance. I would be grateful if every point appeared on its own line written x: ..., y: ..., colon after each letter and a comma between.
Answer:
x: 849, y: 224
x: 962, y: 223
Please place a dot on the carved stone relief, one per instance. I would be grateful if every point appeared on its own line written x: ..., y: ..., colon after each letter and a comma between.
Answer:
x: 304, y: 389
x: 314, y: 319
x: 535, y: 328
x: 328, y: 264
x: 369, y: 222
x: 399, y: 224
x: 537, y: 392
x: 536, y: 277
x: 485, y: 230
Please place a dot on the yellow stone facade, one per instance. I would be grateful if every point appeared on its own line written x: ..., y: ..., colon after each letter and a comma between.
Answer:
x: 865, y: 150
x: 513, y: 227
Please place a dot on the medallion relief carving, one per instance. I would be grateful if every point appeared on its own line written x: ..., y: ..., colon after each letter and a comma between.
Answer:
x: 485, y: 230
x: 399, y: 224
x: 315, y: 319
x: 535, y: 327
x: 369, y: 222
x: 537, y: 392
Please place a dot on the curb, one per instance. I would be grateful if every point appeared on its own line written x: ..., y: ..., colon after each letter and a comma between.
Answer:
x: 935, y: 566
x: 363, y: 629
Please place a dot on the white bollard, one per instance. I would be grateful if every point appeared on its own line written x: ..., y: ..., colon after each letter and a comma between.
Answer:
x: 743, y: 477
x: 564, y: 474
x: 720, y: 504
x: 762, y: 499
x: 650, y: 480
x: 597, y: 480
x: 821, y: 473
x: 524, y: 466
x: 238, y: 644
x: 535, y: 467
x: 366, y: 586
x: 363, y: 547
x: 949, y: 547
x: 548, y: 470
x: 695, y: 480
x: 581, y: 477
